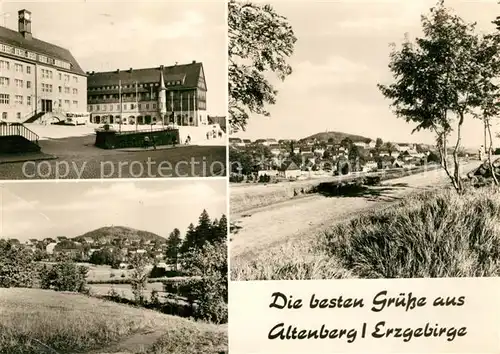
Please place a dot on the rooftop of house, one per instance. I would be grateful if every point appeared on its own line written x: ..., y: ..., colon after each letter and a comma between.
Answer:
x: 289, y: 166
x: 16, y: 39
x: 175, y: 76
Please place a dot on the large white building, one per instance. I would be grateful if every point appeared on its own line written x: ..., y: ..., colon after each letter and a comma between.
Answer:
x: 166, y: 94
x: 37, y: 78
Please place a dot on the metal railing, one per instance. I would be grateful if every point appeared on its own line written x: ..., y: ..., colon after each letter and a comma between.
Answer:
x: 18, y: 129
x: 154, y: 130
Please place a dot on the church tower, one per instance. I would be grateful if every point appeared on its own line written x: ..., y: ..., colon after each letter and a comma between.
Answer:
x: 162, y: 97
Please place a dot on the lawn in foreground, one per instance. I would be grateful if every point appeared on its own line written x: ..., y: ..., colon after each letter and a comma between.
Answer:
x: 74, y: 323
x: 431, y: 234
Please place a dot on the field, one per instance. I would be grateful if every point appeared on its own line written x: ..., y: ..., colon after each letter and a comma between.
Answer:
x: 426, y: 234
x: 253, y: 195
x: 33, y: 320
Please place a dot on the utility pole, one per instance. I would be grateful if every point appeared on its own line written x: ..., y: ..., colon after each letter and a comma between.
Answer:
x: 121, y: 105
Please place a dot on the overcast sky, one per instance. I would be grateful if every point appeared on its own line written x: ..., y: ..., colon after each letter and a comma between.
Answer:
x: 342, y: 52
x: 39, y: 210
x: 105, y: 36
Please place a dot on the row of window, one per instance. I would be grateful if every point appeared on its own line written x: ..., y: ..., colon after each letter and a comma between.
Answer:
x: 33, y: 56
x: 5, y: 116
x: 5, y: 65
x: 142, y: 96
x: 47, y: 87
x: 104, y: 107
x: 19, y: 99
x: 150, y: 96
x: 46, y: 73
x: 5, y: 82
x: 116, y: 87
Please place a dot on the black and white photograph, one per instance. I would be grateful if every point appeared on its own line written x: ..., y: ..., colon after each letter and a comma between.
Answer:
x: 100, y: 267
x: 364, y: 139
x: 92, y: 90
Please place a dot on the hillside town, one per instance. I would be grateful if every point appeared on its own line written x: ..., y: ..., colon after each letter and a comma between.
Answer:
x: 89, y: 249
x: 324, y: 154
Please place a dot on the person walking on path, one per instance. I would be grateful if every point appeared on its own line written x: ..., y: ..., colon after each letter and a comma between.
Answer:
x: 154, y: 142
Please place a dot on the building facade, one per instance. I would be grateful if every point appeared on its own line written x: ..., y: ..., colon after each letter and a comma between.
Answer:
x: 221, y: 120
x: 163, y: 95
x: 37, y: 77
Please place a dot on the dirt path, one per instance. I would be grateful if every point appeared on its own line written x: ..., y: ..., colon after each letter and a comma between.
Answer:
x: 260, y: 228
x: 136, y: 343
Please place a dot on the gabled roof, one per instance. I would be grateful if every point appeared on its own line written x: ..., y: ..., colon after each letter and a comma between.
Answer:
x: 188, y: 74
x: 289, y: 166
x: 16, y: 39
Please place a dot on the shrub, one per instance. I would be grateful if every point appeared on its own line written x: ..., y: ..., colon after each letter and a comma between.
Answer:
x: 433, y: 157
x: 236, y: 178
x: 155, y: 299
x: 16, y: 266
x: 184, y: 287
x: 211, y: 290
x: 113, y: 295
x: 65, y: 276
x: 157, y: 272
x: 264, y: 178
x: 427, y: 235
x: 139, y: 277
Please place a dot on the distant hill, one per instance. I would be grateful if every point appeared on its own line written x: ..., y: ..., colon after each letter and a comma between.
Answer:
x: 337, y: 137
x: 109, y: 233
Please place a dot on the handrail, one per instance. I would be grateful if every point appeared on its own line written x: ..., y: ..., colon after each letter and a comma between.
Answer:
x: 18, y: 129
x: 146, y: 131
x: 29, y: 115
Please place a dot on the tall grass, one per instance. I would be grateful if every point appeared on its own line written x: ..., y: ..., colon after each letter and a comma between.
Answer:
x: 34, y: 319
x: 429, y: 234
x: 295, y: 260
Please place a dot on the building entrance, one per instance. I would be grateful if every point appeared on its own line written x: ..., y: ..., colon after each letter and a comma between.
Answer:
x: 46, y: 105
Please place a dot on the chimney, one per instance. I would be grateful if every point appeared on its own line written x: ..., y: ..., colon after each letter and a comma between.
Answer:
x: 161, y: 67
x: 130, y: 70
x: 117, y: 71
x: 24, y: 23
x: 93, y: 72
x: 194, y: 61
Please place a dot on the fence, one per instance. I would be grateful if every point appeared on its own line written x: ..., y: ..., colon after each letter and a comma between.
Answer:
x: 20, y: 130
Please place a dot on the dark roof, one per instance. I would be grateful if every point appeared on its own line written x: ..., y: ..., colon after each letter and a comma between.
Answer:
x: 16, y: 39
x: 188, y: 74
x: 289, y: 166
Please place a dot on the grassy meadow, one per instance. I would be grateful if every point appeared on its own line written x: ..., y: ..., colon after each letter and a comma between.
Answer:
x: 33, y: 320
x: 428, y: 234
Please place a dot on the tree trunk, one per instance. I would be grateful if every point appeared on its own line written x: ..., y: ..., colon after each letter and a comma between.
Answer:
x: 490, y: 147
x: 458, y: 180
x: 485, y: 130
x: 443, y: 150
